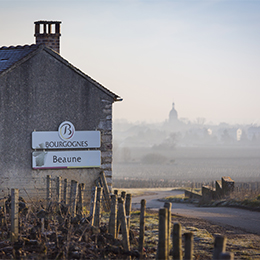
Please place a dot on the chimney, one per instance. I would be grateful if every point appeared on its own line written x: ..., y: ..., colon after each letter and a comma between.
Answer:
x: 48, y: 33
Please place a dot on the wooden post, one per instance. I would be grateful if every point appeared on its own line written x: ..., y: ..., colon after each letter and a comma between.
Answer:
x: 73, y: 197
x: 162, y: 252
x: 168, y: 206
x: 42, y: 225
x: 93, y: 198
x: 113, y: 216
x: 128, y: 207
x: 123, y: 194
x: 176, y: 242
x: 125, y: 231
x: 116, y: 192
x: 142, y: 228
x: 227, y: 256
x: 106, y: 192
x: 65, y: 191
x: 188, y: 246
x: 48, y: 190
x: 219, y: 246
x: 98, y: 207
x: 93, y: 205
x: 58, y: 188
x: 14, y: 214
x: 81, y: 199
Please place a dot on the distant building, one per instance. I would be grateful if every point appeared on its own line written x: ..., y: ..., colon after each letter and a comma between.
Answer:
x: 253, y: 133
x: 239, y: 134
x: 173, y: 115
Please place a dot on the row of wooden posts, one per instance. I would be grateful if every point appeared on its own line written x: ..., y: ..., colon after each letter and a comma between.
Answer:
x: 120, y: 213
x: 76, y: 200
x: 163, y: 252
x: 100, y: 192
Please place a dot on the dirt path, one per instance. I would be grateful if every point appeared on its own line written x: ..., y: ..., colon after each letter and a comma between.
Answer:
x: 243, y: 219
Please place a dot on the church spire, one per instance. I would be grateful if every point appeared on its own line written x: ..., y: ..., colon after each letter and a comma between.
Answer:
x: 173, y: 116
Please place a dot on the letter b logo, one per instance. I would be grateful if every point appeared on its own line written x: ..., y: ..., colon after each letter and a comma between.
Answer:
x: 66, y: 130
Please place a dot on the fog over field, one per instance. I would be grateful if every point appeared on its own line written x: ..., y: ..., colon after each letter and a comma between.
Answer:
x: 178, y: 149
x: 194, y: 164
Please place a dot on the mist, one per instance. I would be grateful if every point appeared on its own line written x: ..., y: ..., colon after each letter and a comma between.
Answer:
x: 179, y: 149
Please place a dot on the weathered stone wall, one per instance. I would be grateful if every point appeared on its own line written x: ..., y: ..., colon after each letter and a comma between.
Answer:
x: 38, y: 95
x: 192, y: 195
x: 219, y: 192
x: 223, y: 188
x: 208, y: 193
x: 228, y: 185
x: 105, y: 126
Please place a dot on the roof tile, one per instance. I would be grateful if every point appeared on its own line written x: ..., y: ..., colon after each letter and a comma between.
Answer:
x: 10, y: 55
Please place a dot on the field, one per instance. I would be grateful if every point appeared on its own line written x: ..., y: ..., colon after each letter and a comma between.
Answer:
x: 200, y: 164
x: 244, y: 245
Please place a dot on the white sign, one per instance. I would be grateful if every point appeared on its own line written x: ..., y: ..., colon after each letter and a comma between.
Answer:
x: 66, y: 138
x: 65, y: 159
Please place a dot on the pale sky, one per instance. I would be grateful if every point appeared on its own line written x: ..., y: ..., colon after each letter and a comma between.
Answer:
x: 202, y: 55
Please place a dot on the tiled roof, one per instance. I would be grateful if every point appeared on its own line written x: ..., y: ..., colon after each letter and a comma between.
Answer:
x: 10, y: 55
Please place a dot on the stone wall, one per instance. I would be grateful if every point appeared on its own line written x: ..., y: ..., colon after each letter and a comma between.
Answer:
x: 223, y: 188
x: 192, y: 195
x: 219, y: 192
x: 105, y: 127
x: 208, y: 193
x: 38, y: 95
x: 228, y: 185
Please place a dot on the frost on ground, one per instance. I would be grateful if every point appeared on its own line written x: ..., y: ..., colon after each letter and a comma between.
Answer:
x: 244, y: 245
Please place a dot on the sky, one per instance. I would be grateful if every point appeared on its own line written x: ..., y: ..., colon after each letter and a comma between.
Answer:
x: 203, y: 55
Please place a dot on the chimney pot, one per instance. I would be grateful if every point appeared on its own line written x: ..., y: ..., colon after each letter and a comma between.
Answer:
x: 48, y: 38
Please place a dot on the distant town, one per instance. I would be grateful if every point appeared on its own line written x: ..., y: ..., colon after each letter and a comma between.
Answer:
x: 178, y: 132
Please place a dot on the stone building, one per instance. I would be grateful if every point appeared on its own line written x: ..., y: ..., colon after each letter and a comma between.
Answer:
x: 39, y: 92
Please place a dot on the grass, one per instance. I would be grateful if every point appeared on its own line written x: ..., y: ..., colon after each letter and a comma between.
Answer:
x: 243, y: 246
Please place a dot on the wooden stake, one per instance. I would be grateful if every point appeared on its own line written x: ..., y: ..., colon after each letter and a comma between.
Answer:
x: 162, y: 252
x: 73, y: 197
x: 142, y: 228
x: 128, y: 207
x: 122, y: 217
x: 81, y: 199
x: 14, y: 214
x: 98, y: 207
x: 58, y: 189
x: 113, y: 216
x: 93, y: 205
x: 188, y: 246
x: 48, y: 190
x: 176, y: 242
x: 65, y: 191
x: 168, y: 206
x: 219, y: 246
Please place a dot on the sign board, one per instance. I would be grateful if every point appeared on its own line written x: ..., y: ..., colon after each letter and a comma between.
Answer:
x: 65, y: 159
x: 66, y: 138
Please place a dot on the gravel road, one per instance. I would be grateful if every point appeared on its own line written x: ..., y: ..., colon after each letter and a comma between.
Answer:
x: 243, y: 219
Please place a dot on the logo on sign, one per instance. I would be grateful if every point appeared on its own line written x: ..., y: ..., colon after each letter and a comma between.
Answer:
x: 66, y: 130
